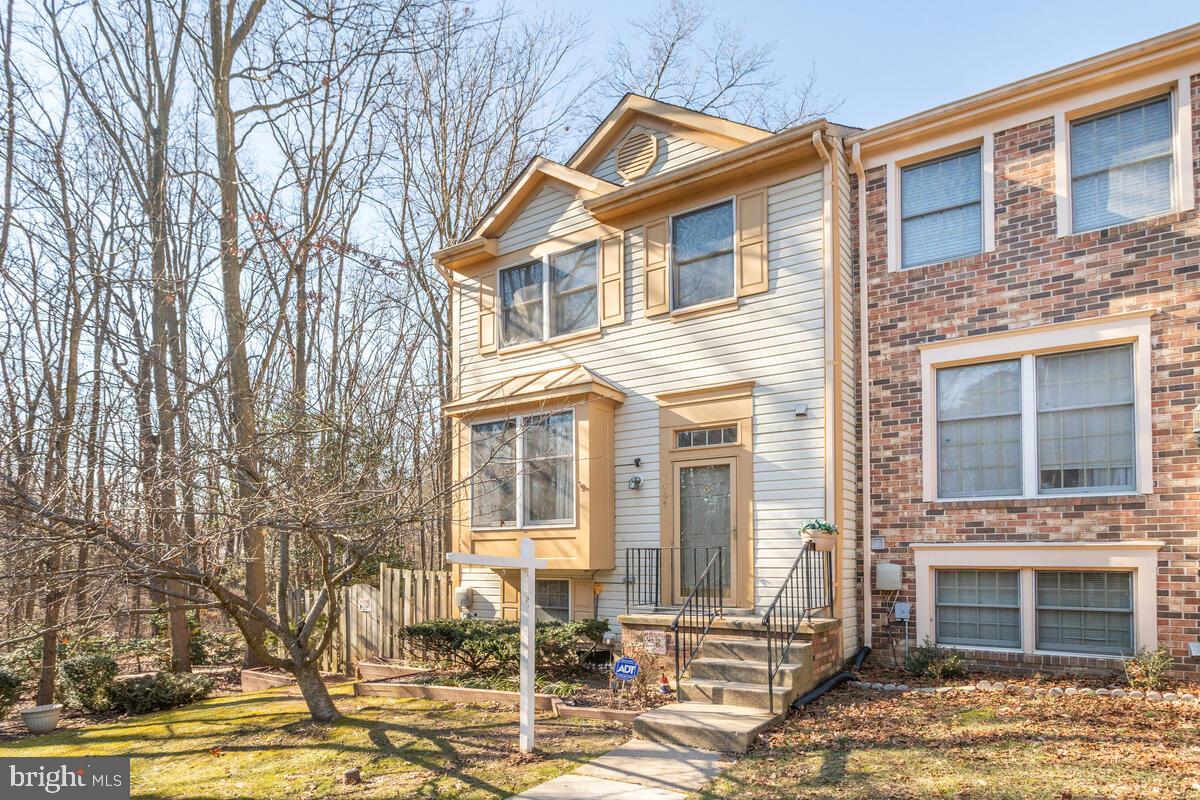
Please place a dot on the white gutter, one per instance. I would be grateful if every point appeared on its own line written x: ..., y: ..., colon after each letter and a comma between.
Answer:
x: 864, y: 388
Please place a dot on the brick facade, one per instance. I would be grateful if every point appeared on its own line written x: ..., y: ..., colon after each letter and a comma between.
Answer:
x: 1034, y: 277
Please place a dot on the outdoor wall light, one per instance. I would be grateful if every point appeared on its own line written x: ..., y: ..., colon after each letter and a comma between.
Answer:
x: 1196, y: 424
x: 635, y: 482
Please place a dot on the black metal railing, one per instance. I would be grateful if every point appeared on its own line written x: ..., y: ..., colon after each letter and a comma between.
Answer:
x: 704, y: 603
x: 808, y: 587
x: 655, y: 576
x: 643, y: 577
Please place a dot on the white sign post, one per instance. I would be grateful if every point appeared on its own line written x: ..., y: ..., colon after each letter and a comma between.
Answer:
x: 528, y: 566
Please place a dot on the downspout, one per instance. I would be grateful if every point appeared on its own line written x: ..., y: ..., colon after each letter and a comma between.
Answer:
x: 864, y: 388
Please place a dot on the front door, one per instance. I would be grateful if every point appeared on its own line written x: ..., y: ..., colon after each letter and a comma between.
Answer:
x: 705, y: 509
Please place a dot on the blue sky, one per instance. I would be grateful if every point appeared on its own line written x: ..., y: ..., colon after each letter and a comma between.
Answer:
x: 891, y: 59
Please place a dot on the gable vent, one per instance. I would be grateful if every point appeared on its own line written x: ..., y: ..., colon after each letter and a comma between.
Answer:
x: 636, y: 154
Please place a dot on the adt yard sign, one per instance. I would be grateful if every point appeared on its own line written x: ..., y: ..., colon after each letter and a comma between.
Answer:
x: 626, y: 669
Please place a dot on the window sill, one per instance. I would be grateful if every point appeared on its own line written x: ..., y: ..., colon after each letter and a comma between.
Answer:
x: 1133, y: 226
x: 957, y: 263
x: 715, y: 307
x: 546, y: 344
x: 529, y: 529
x: 1040, y: 501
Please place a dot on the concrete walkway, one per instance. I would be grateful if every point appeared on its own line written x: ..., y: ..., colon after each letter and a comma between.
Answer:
x: 637, y: 770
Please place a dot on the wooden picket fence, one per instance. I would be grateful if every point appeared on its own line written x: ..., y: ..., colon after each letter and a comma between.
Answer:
x: 408, y: 596
x: 371, y: 620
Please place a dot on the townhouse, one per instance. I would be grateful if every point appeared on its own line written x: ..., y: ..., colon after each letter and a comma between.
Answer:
x: 968, y: 339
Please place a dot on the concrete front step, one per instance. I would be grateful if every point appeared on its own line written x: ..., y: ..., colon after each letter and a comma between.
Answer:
x: 752, y: 650
x: 735, y: 693
x: 723, y: 728
x: 739, y: 671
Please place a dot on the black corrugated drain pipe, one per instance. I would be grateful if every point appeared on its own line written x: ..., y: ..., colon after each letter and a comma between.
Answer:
x: 836, y: 680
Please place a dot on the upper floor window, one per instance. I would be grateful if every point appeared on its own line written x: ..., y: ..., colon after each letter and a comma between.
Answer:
x: 523, y: 471
x: 941, y: 209
x: 549, y: 298
x: 1037, y: 424
x: 702, y: 263
x: 1121, y: 164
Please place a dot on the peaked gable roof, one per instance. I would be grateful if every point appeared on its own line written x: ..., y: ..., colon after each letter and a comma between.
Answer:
x: 634, y: 108
x: 536, y: 387
x: 480, y: 243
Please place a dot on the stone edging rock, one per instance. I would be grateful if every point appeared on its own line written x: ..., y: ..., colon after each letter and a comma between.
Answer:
x: 1031, y: 691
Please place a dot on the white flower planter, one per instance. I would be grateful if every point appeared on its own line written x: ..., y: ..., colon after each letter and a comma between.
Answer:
x: 822, y: 542
x: 41, y: 719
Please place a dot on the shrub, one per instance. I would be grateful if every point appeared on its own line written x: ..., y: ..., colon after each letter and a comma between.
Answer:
x: 139, y: 694
x: 494, y: 645
x: 10, y: 688
x: 1148, y: 669
x: 929, y: 660
x: 86, y: 681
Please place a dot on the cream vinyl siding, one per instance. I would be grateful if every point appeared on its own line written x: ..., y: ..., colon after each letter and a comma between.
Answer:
x: 850, y: 594
x: 551, y: 213
x: 775, y: 339
x: 673, y: 152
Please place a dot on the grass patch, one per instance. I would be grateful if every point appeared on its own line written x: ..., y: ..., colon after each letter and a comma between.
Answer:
x: 262, y: 745
x: 857, y: 745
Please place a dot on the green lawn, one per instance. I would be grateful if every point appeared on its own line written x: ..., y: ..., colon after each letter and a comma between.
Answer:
x: 866, y: 745
x: 263, y: 746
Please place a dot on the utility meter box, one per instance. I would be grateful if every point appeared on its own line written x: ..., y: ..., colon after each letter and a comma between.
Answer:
x: 887, y: 577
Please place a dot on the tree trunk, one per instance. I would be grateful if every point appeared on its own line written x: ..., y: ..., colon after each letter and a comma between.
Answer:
x: 316, y: 695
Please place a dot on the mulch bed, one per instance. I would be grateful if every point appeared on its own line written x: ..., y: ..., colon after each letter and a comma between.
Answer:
x: 884, y: 673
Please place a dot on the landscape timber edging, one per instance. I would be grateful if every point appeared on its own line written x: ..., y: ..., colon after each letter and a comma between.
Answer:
x: 380, y: 670
x: 256, y: 679
x: 462, y: 694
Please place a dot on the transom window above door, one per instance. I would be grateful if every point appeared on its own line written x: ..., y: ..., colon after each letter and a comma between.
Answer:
x: 553, y: 297
x: 706, y: 437
x: 702, y: 261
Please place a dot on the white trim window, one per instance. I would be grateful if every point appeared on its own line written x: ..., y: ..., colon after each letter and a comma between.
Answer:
x: 941, y: 209
x: 552, y: 599
x: 523, y: 471
x: 1094, y: 599
x: 1085, y: 612
x: 702, y: 256
x: 978, y: 607
x: 1084, y: 424
x: 552, y: 297
x: 1060, y: 410
x: 1121, y: 164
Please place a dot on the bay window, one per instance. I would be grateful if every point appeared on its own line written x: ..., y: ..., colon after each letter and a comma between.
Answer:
x: 523, y: 471
x: 702, y: 262
x: 552, y: 297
